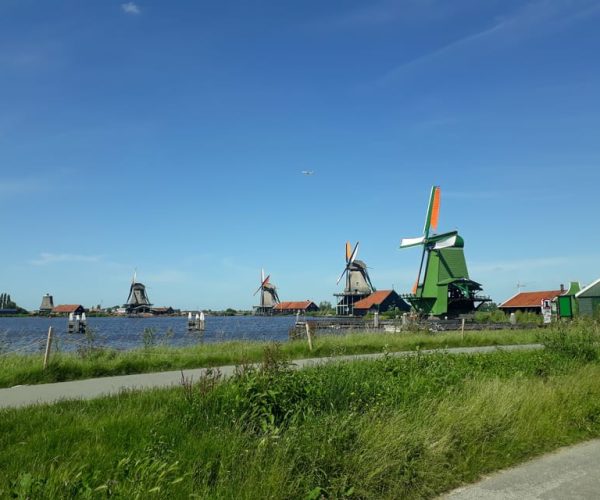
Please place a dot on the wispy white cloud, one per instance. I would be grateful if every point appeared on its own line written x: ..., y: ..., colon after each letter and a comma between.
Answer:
x: 131, y: 8
x: 534, y: 18
x: 46, y: 258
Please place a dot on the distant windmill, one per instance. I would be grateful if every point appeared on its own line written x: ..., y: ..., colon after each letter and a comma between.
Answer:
x: 137, y: 301
x: 268, y: 295
x: 358, y: 283
x: 446, y: 288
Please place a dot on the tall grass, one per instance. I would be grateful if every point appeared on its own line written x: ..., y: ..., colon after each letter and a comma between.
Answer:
x: 393, y: 428
x: 96, y: 361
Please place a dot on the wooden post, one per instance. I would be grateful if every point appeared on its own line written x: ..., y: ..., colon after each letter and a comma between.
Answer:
x: 462, y: 329
x: 48, y: 344
x: 308, y: 336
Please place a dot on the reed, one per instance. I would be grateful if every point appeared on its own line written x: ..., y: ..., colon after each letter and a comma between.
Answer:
x: 94, y: 360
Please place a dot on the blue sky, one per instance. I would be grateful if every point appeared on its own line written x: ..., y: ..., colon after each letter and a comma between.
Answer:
x: 170, y: 137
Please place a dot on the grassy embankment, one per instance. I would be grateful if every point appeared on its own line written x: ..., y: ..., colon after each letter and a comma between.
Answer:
x: 93, y: 360
x: 392, y: 428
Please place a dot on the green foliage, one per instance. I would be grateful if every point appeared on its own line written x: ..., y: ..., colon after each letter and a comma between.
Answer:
x: 325, y: 309
x: 579, y: 339
x: 94, y: 359
x: 491, y: 316
x: 151, y: 473
x: 488, y: 307
x: 6, y: 302
x: 394, y: 428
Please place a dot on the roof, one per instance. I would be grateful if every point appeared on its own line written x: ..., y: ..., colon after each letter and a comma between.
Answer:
x: 588, y: 291
x: 284, y: 306
x: 66, y: 308
x: 375, y: 299
x: 531, y: 299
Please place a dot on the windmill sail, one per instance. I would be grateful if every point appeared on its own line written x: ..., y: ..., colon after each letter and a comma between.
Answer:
x: 433, y: 211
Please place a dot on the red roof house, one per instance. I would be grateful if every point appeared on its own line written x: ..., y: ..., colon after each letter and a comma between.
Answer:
x: 294, y: 307
x: 529, y: 301
x: 68, y: 309
x: 380, y: 301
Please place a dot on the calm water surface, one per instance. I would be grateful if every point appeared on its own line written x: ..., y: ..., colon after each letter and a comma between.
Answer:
x: 29, y: 334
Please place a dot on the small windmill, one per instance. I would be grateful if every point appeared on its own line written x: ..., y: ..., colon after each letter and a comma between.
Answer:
x: 268, y: 295
x: 137, y: 301
x: 443, y: 286
x: 358, y: 283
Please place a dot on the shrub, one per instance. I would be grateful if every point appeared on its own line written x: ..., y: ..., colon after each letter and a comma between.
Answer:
x: 578, y: 339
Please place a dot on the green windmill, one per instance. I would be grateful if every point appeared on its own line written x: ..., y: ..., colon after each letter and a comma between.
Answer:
x: 443, y: 286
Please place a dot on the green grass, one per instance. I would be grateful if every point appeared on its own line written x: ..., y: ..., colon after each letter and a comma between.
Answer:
x: 393, y: 428
x: 99, y: 362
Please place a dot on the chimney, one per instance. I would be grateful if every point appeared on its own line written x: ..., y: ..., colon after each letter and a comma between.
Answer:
x: 562, y: 288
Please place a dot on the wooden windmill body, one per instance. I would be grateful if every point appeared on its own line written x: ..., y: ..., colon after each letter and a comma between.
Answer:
x: 268, y: 296
x: 358, y: 283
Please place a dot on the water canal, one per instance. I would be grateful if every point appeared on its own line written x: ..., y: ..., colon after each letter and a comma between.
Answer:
x: 29, y: 334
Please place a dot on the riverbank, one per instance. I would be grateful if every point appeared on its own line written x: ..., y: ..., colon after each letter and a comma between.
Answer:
x: 93, y: 360
x: 409, y: 427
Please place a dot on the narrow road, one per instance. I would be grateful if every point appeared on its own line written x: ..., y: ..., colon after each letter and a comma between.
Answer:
x: 567, y: 474
x: 24, y: 395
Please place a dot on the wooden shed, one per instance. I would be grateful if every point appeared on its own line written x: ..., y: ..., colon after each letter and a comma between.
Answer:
x: 380, y: 301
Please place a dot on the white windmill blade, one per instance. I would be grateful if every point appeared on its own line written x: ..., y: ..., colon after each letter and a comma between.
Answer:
x: 446, y: 243
x: 354, y: 253
x: 412, y: 242
x: 262, y: 275
x: 341, y: 276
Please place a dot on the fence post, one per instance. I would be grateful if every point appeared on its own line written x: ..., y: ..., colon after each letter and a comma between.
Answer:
x: 48, y: 344
x: 308, y: 336
x: 462, y: 329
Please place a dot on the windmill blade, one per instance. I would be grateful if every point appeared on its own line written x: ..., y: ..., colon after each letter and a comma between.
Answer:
x: 262, y: 275
x: 354, y: 253
x: 341, y: 276
x: 348, y: 251
x: 263, y: 283
x: 368, y: 280
x: 412, y: 242
x: 445, y: 243
x: 433, y: 209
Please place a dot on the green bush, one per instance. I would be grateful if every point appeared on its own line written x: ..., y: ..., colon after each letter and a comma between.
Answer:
x: 578, y: 339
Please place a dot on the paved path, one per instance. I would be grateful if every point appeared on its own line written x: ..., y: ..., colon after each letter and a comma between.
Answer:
x: 567, y: 474
x: 24, y: 395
